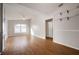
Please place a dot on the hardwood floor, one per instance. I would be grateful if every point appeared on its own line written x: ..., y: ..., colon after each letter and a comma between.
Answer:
x: 30, y: 45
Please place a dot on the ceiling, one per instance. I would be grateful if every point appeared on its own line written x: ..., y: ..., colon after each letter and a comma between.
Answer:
x: 27, y: 10
x: 46, y: 8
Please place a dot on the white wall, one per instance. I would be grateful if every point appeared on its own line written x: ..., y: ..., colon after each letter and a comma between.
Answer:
x: 38, y: 26
x: 5, y: 29
x: 5, y: 32
x: 66, y: 32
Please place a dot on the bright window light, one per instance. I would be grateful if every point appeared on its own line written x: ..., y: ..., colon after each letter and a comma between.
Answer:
x: 20, y: 28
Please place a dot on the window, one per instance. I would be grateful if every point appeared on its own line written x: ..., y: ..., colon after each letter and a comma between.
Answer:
x: 20, y: 28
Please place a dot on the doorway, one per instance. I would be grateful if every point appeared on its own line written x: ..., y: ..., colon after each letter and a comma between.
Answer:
x: 49, y: 29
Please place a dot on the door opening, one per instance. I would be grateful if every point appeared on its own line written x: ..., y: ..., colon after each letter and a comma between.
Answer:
x: 49, y: 29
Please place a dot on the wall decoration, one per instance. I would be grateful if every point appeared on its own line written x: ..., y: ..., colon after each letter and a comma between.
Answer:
x: 67, y: 11
x: 61, y: 13
x: 60, y: 19
x: 78, y: 6
x: 60, y: 5
x: 67, y: 18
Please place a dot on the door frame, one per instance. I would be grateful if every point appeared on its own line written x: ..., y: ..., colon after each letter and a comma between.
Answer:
x: 48, y: 20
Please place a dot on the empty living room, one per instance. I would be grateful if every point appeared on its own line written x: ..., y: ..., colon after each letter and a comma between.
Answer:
x: 39, y: 28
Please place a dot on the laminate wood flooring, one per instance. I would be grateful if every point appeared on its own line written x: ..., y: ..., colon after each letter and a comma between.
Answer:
x: 30, y: 45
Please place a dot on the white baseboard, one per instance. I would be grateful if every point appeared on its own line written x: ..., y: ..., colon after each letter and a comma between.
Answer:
x: 66, y: 45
